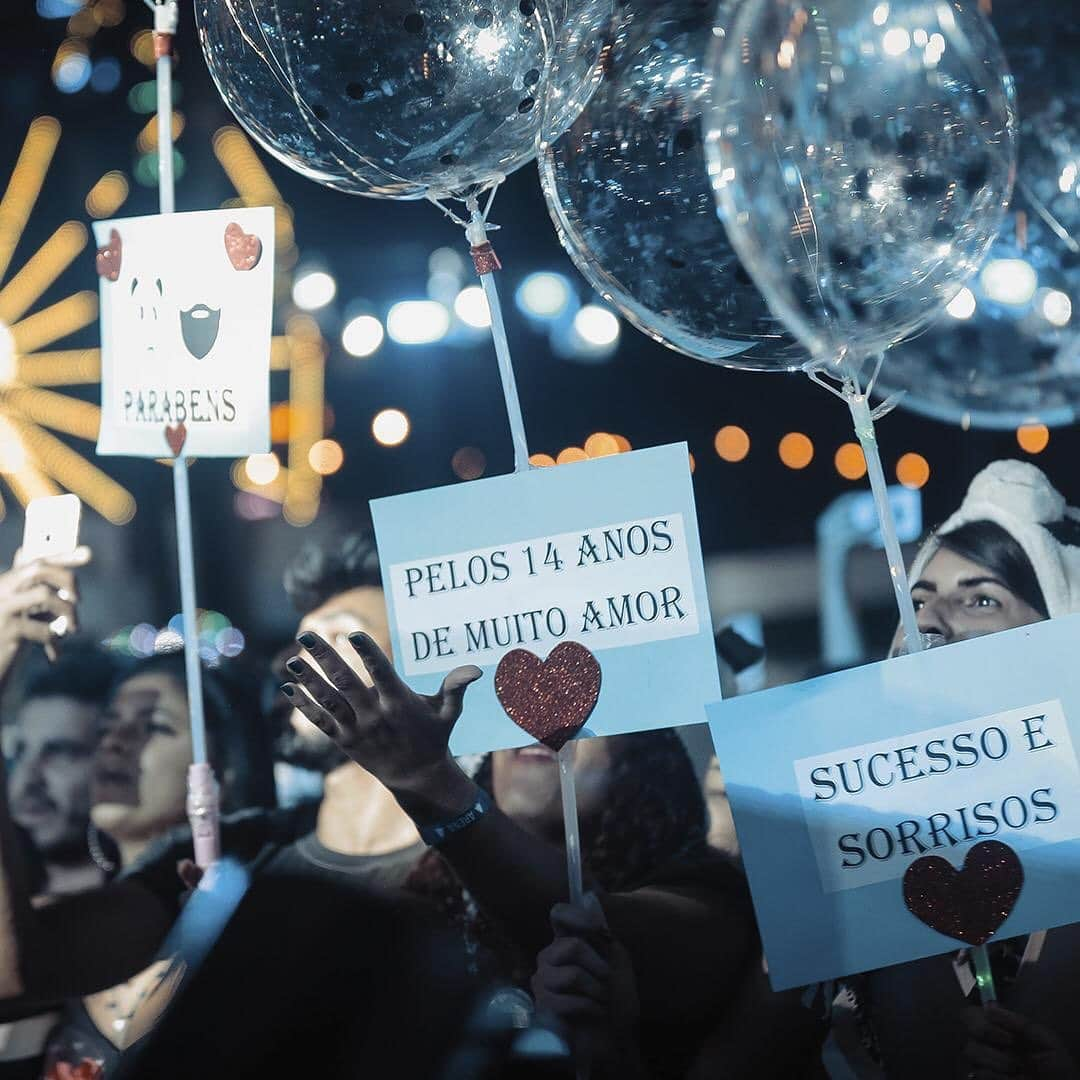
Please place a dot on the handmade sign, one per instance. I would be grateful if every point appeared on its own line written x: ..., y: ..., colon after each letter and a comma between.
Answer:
x: 604, y: 554
x: 912, y: 806
x: 186, y: 305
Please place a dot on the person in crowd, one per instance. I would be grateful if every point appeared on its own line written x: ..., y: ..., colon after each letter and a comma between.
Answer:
x: 53, y: 736
x: 681, y: 923
x: 1008, y: 557
x: 680, y: 911
x: 55, y: 732
x: 59, y: 953
x: 139, y: 793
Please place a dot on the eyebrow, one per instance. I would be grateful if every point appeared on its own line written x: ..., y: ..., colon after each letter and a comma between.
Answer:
x: 964, y: 583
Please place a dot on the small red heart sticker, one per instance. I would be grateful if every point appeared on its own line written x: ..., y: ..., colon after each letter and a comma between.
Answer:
x: 550, y: 699
x: 968, y: 904
x: 176, y: 436
x: 244, y: 249
x: 109, y: 257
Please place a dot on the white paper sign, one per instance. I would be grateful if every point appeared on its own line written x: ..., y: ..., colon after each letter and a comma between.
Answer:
x: 619, y: 584
x: 186, y: 303
x: 874, y: 808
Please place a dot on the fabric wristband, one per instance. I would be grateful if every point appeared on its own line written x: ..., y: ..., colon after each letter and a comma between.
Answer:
x: 433, y: 835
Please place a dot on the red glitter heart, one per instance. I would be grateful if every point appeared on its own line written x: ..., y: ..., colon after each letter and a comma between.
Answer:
x: 968, y: 904
x: 109, y: 257
x: 550, y: 699
x: 176, y: 436
x: 244, y: 249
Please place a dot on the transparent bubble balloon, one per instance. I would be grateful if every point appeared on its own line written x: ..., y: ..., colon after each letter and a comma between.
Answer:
x: 1007, y: 351
x: 862, y: 156
x: 628, y: 190
x: 401, y: 99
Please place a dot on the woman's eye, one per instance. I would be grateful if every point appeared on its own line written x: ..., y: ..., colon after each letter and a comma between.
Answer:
x: 160, y: 726
x: 984, y: 601
x: 917, y: 603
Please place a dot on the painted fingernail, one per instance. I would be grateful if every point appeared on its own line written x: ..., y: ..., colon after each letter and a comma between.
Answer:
x: 288, y: 690
x: 295, y: 666
x: 308, y: 639
x: 358, y: 639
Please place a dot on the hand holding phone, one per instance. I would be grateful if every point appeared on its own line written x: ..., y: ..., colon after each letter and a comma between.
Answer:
x: 37, y: 597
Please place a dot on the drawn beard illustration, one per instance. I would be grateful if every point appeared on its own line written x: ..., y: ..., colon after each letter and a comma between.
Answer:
x: 199, y: 327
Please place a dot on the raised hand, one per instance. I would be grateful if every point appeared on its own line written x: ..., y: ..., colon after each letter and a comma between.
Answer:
x: 38, y: 603
x: 399, y: 736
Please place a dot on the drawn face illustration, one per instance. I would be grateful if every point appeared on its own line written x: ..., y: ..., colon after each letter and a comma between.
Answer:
x: 199, y: 327
x: 147, y: 312
x: 186, y: 309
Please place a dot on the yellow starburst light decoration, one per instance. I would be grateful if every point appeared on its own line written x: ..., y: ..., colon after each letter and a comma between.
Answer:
x: 33, y: 460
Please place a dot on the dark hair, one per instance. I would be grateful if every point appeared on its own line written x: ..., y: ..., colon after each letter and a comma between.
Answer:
x: 654, y: 812
x: 319, y: 571
x: 83, y: 672
x: 989, y: 545
x: 239, y: 744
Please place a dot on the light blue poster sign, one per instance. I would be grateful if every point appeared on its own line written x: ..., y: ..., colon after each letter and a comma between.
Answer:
x: 604, y: 553
x: 839, y: 786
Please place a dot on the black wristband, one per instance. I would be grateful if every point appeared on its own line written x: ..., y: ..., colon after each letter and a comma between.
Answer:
x: 433, y: 835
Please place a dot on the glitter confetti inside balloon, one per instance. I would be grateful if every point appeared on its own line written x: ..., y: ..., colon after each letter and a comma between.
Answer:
x: 1007, y: 350
x: 400, y: 99
x: 628, y: 190
x: 862, y: 156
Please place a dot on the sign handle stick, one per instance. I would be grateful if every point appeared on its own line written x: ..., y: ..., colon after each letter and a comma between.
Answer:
x: 486, y: 262
x: 202, y: 798
x: 859, y: 404
x: 573, y: 841
x: 570, y: 822
x: 984, y: 978
x: 863, y: 420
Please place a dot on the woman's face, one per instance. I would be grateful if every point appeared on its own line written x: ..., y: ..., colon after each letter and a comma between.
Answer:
x: 959, y: 599
x: 140, y: 771
x: 526, y: 783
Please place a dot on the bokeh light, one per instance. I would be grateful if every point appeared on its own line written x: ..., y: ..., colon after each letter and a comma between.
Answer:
x: 1033, y: 438
x: 544, y: 295
x: 326, y: 457
x: 601, y: 444
x: 313, y: 289
x: 796, y: 450
x: 732, y: 443
x: 390, y: 427
x: 471, y: 307
x: 850, y: 461
x: 469, y: 463
x: 262, y: 469
x: 570, y: 454
x: 362, y: 336
x: 597, y: 326
x: 913, y: 470
x: 417, y: 322
x: 541, y: 461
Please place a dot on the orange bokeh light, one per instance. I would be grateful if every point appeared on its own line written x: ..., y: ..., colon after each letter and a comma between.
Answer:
x: 850, y: 462
x: 913, y: 470
x: 1033, y: 438
x: 571, y: 453
x: 732, y: 443
x: 541, y: 461
x: 601, y: 444
x: 796, y: 450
